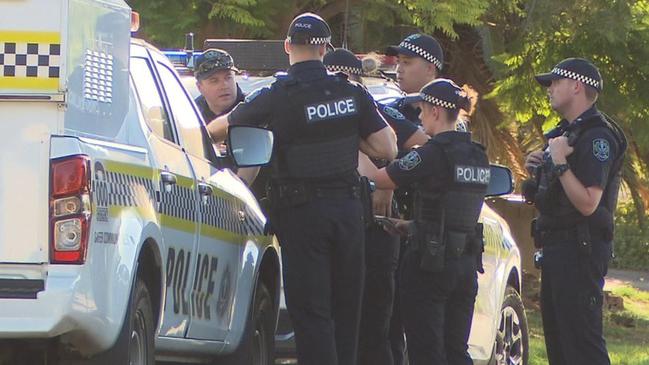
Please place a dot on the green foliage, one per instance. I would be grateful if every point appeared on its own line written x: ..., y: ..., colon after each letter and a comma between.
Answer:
x: 631, y: 243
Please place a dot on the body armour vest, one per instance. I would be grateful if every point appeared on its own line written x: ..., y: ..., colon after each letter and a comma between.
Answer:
x: 317, y: 128
x: 455, y: 208
x: 556, y: 209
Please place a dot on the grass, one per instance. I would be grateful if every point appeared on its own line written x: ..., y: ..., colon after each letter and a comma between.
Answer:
x: 626, y: 345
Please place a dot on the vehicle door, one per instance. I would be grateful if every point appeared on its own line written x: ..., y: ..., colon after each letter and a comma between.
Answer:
x: 222, y: 229
x: 177, y: 211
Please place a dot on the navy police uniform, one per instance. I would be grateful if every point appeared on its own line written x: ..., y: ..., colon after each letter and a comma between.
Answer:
x: 438, y: 279
x: 318, y: 119
x: 576, y: 248
x: 207, y: 63
x: 381, y: 248
x: 428, y: 48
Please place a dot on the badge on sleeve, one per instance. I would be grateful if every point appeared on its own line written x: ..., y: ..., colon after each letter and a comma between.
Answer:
x: 601, y: 149
x: 250, y: 97
x: 410, y: 161
x: 393, y: 113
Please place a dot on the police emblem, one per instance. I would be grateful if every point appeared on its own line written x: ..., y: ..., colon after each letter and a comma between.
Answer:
x: 410, y: 161
x: 601, y: 149
x: 393, y: 113
x: 412, y: 37
x: 250, y: 97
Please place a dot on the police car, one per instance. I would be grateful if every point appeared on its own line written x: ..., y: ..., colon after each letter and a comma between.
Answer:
x: 125, y: 237
x: 499, y: 334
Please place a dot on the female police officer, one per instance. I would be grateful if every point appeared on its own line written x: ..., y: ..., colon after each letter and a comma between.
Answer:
x: 438, y: 281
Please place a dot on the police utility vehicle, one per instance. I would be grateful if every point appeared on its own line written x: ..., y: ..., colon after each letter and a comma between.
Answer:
x: 125, y: 237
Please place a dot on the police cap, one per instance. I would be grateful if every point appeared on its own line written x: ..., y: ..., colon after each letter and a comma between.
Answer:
x: 212, y: 60
x: 342, y: 60
x: 419, y: 45
x: 442, y: 92
x: 578, y: 69
x: 309, y: 28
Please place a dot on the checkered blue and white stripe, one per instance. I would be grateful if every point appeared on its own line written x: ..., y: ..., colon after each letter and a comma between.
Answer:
x: 422, y: 53
x: 575, y: 76
x: 224, y: 213
x: 37, y: 60
x: 346, y: 69
x: 439, y: 102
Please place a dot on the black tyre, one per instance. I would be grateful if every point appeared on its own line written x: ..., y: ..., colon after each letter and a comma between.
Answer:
x: 512, y: 337
x: 257, y: 346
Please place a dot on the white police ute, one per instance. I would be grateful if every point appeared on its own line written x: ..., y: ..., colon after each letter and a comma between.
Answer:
x: 125, y: 238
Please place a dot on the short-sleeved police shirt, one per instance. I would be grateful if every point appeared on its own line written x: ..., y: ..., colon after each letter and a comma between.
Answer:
x: 426, y: 162
x: 403, y: 128
x: 408, y: 110
x: 258, y: 106
x: 594, y: 153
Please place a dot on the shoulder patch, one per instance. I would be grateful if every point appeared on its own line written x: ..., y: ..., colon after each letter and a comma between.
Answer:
x: 409, y: 161
x: 255, y: 93
x: 393, y: 113
x: 601, y: 149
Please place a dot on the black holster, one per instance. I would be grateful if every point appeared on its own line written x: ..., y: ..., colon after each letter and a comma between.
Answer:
x: 366, y: 189
x: 431, y: 245
x: 478, y: 246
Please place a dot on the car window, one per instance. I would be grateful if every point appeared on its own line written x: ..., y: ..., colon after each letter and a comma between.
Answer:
x: 153, y: 109
x: 187, y: 120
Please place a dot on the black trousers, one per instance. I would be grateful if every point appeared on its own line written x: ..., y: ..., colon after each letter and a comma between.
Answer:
x: 323, y: 264
x: 437, y: 309
x: 397, y: 335
x: 571, y: 303
x: 381, y: 259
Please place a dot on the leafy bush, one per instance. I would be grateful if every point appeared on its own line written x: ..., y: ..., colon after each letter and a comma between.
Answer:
x: 631, y: 242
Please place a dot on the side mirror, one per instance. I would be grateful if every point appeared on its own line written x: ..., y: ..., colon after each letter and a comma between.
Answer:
x: 501, y: 181
x: 250, y: 146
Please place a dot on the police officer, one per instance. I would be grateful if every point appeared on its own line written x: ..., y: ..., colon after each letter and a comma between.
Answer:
x: 320, y: 121
x: 214, y: 72
x: 438, y: 280
x: 576, y: 182
x: 381, y: 248
x: 419, y: 61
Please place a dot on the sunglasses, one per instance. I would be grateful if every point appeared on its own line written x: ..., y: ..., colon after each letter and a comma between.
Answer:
x: 215, y: 60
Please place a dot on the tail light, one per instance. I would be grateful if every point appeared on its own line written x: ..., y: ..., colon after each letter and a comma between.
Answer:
x: 70, y: 209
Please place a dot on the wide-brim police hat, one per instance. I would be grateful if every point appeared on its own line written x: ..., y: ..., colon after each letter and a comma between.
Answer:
x: 309, y: 28
x: 578, y: 69
x: 441, y: 92
x: 342, y: 60
x: 420, y: 45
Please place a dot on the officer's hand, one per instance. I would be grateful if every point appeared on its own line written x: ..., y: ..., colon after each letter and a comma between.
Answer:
x: 382, y: 202
x: 533, y: 160
x: 560, y: 149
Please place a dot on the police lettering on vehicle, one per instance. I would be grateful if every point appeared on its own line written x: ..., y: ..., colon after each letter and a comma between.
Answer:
x: 202, y: 294
x: 332, y: 109
x: 472, y: 175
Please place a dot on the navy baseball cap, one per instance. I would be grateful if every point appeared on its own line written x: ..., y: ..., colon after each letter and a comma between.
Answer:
x: 342, y: 60
x: 212, y: 60
x: 420, y: 45
x: 441, y: 92
x: 309, y: 28
x: 578, y: 69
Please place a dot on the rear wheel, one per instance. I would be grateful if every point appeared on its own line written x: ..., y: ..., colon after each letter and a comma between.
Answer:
x: 258, y: 342
x: 512, y: 341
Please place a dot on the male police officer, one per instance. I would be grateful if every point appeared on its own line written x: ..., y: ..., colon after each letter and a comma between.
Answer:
x: 420, y: 60
x: 214, y: 72
x: 578, y: 180
x: 381, y: 248
x: 438, y: 280
x: 318, y: 120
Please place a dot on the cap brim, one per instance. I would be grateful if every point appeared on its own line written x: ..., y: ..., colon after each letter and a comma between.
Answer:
x: 546, y: 78
x: 213, y: 71
x: 412, y: 98
x: 397, y: 50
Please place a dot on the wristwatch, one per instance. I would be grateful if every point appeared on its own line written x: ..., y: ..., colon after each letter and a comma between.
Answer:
x: 560, y: 169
